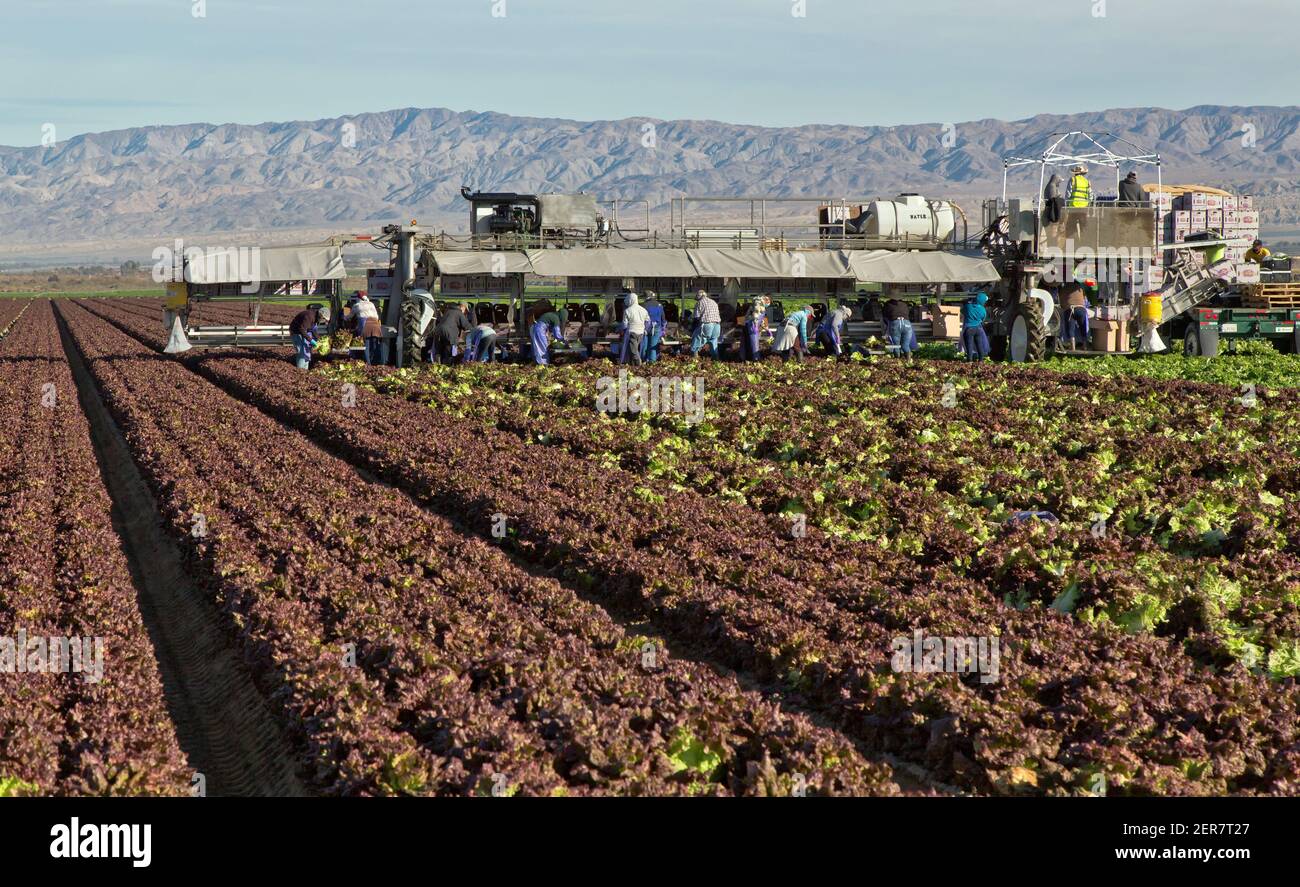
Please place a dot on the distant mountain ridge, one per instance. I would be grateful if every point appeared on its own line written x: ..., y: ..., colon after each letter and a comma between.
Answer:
x: 355, y: 172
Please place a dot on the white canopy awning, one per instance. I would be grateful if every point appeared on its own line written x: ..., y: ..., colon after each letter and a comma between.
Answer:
x: 264, y: 264
x: 476, y: 262
x: 769, y: 263
x: 888, y: 266
x: 611, y: 263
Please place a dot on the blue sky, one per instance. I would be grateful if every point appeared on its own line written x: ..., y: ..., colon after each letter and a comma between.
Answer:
x: 92, y: 65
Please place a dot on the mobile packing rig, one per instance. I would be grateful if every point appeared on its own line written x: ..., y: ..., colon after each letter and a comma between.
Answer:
x: 818, y: 250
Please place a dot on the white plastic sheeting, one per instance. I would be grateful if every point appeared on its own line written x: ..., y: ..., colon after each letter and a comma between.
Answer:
x: 889, y: 266
x: 264, y: 264
x: 481, y: 262
x: 769, y: 263
x: 611, y: 263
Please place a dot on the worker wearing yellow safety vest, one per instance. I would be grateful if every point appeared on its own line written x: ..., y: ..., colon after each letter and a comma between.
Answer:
x: 1080, y: 187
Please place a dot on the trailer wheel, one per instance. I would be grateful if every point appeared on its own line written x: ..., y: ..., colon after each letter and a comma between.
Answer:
x: 1198, y: 342
x: 1028, y: 340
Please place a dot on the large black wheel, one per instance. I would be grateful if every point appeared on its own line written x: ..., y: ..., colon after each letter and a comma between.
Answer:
x: 413, y: 343
x: 1028, y: 340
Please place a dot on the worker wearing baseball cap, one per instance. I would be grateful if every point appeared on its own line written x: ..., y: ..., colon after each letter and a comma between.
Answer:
x: 1080, y: 187
x: 1257, y: 253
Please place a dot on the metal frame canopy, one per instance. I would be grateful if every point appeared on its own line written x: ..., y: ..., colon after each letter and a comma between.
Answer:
x: 1078, y: 147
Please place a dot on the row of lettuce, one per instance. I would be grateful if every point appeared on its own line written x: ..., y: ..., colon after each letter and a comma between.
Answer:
x: 813, y: 618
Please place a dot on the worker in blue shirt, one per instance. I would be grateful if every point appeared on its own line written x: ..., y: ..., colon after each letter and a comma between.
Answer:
x: 793, y: 340
x: 830, y: 333
x: 974, y: 340
x: 655, y: 328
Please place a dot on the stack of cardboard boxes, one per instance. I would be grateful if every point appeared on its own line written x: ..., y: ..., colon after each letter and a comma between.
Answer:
x: 1223, y: 216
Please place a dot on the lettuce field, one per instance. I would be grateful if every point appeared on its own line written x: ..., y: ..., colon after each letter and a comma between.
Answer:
x: 862, y: 578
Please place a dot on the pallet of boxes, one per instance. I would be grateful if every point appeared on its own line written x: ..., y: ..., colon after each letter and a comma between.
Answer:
x: 1187, y: 211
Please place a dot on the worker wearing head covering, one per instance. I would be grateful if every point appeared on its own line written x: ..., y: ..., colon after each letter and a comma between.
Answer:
x: 1080, y: 187
x: 755, y: 320
x: 1130, y: 192
x: 302, y: 330
x: 365, y: 319
x: 708, y: 324
x: 635, y: 321
x: 1257, y: 253
x: 793, y: 341
x: 655, y: 328
x: 974, y: 340
x: 830, y: 333
x: 1053, y: 202
x: 545, y: 327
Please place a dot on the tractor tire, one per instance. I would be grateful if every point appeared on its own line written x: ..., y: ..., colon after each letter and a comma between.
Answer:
x: 1027, y: 342
x: 413, y: 343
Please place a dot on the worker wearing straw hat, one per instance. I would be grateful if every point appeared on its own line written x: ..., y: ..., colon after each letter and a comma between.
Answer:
x: 1080, y: 187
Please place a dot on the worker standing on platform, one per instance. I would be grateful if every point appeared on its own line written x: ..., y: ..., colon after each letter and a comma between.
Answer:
x: 1257, y: 253
x: 830, y: 333
x: 1080, y: 187
x: 302, y: 330
x: 547, y: 326
x: 974, y: 340
x: 655, y: 329
x: 1131, y: 193
x: 708, y: 324
x: 635, y: 321
x: 1053, y: 202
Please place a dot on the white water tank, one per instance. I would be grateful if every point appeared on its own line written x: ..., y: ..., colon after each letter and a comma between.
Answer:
x: 910, y: 215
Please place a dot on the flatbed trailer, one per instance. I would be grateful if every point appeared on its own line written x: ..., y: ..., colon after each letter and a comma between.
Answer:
x: 1209, y: 330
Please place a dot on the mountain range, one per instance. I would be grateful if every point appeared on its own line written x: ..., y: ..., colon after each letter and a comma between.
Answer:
x: 117, y: 192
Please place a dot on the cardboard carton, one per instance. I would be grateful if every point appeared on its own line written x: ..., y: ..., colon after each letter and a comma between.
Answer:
x: 1109, y: 335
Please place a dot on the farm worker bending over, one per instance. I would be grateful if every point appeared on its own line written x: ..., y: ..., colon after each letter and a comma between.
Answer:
x: 549, y: 325
x: 635, y: 321
x: 1257, y: 253
x: 655, y: 329
x: 794, y: 336
x: 974, y: 341
x: 830, y: 333
x: 365, y: 317
x: 1080, y: 187
x: 898, y: 327
x: 302, y: 329
x: 1074, y: 319
x: 708, y: 325
x: 755, y: 322
x: 480, y: 344
x: 447, y: 333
